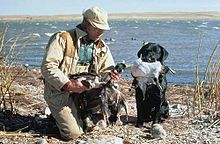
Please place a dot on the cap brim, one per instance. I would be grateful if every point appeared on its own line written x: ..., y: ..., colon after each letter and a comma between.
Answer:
x: 100, y: 26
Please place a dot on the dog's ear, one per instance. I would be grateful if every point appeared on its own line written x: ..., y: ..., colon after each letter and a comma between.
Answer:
x: 139, y: 52
x: 145, y: 45
x: 164, y: 54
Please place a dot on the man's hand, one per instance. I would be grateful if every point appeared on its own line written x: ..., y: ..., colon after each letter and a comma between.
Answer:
x: 115, y: 75
x: 76, y: 86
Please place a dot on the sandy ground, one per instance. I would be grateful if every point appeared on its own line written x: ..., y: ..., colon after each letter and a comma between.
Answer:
x: 173, y: 15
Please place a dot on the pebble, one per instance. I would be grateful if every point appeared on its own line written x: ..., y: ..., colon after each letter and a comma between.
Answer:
x: 105, y: 139
x: 32, y: 132
x: 158, y: 131
x: 42, y: 141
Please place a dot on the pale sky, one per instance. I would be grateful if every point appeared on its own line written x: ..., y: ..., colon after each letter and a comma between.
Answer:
x: 61, y: 7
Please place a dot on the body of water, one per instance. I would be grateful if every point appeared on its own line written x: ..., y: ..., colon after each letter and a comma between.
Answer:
x: 181, y: 38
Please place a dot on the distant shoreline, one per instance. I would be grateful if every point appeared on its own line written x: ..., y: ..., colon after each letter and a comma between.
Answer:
x: 158, y: 15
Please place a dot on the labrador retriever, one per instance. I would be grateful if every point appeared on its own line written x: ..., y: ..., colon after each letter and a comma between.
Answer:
x: 150, y: 83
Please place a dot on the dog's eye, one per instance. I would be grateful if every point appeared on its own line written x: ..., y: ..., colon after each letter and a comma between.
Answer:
x: 157, y: 50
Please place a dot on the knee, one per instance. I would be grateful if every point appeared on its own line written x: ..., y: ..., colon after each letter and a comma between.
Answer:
x: 69, y: 124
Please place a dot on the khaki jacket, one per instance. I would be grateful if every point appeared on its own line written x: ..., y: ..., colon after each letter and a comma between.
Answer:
x: 61, y: 60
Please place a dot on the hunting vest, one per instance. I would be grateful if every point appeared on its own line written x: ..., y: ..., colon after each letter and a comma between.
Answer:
x: 71, y: 48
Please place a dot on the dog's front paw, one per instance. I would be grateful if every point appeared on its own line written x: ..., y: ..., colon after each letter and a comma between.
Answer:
x: 88, y: 125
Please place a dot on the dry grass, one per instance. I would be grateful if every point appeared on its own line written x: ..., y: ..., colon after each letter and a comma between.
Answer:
x: 207, y: 96
x: 8, y: 73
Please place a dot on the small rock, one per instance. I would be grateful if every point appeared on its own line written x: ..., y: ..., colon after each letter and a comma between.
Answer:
x: 105, y: 139
x: 80, y: 142
x: 157, y: 131
x: 42, y: 141
x: 32, y: 131
x: 26, y: 65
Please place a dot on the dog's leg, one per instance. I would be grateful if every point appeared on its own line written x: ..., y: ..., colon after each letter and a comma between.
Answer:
x: 139, y: 106
x: 165, y: 109
x: 104, y: 106
x: 165, y: 104
x: 156, y: 99
x: 121, y: 104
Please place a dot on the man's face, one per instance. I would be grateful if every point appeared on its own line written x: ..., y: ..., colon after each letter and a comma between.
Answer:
x: 94, y: 33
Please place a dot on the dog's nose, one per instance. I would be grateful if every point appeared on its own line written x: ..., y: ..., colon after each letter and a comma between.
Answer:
x: 152, y: 59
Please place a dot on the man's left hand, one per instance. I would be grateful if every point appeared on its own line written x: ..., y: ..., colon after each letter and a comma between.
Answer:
x: 115, y: 75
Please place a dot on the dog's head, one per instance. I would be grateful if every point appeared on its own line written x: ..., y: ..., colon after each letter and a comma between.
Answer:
x: 152, y: 52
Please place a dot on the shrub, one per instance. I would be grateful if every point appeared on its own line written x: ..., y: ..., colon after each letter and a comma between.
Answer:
x: 9, y: 69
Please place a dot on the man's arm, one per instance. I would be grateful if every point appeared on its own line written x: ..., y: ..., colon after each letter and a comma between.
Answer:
x: 51, y: 62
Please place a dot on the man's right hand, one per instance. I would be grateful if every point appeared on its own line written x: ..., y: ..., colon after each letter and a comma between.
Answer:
x: 75, y: 86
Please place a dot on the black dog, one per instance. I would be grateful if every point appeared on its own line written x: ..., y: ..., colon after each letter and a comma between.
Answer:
x: 151, y: 84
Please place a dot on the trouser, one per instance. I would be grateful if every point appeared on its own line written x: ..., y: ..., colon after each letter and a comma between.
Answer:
x: 65, y: 110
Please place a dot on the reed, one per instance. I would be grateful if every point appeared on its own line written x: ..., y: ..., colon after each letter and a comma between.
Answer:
x: 10, y: 70
x: 206, y: 97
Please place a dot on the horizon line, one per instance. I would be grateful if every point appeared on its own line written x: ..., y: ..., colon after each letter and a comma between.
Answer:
x: 112, y: 16
x: 74, y: 14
